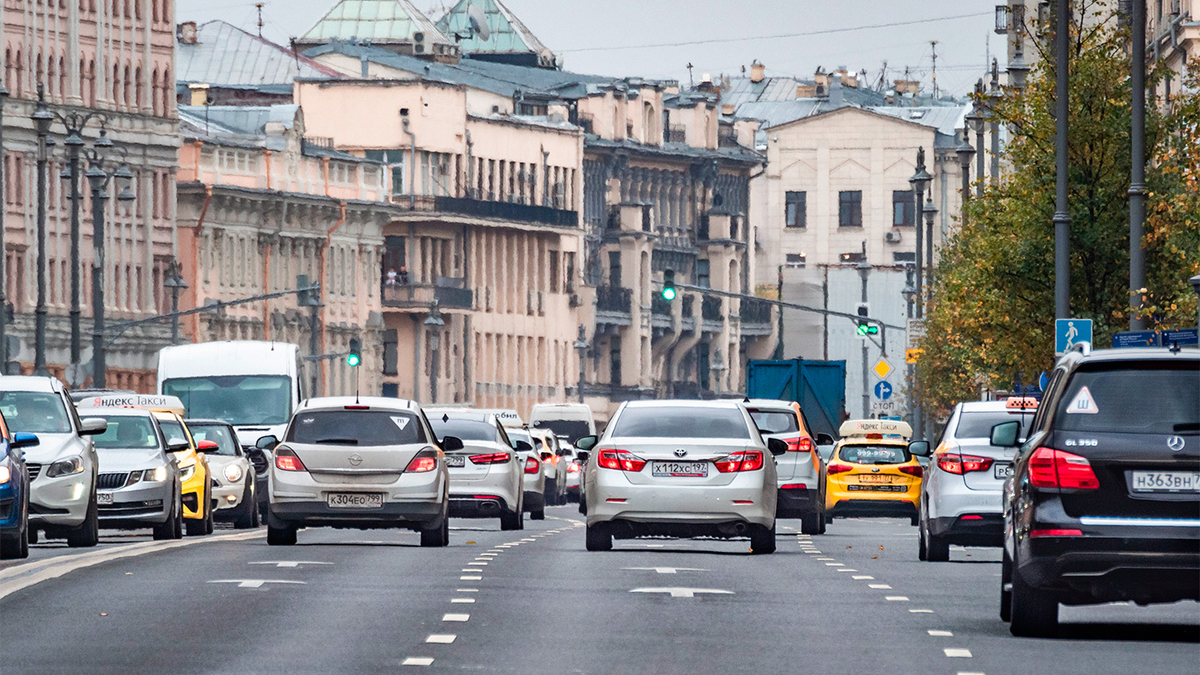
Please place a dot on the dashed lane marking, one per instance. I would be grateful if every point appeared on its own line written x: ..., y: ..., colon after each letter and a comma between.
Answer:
x: 920, y: 611
x: 883, y: 587
x: 290, y: 563
x: 825, y: 558
x: 466, y: 590
x: 896, y: 598
x: 958, y: 653
x: 477, y: 563
x: 441, y: 639
x: 665, y: 570
x: 941, y: 633
x: 456, y: 617
x: 847, y: 569
x: 679, y: 592
x: 470, y: 578
x: 835, y: 564
x: 462, y: 601
x: 859, y: 576
x: 417, y: 661
x: 253, y: 583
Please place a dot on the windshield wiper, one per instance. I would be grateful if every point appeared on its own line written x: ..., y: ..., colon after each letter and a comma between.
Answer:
x: 338, y: 441
x: 1187, y: 426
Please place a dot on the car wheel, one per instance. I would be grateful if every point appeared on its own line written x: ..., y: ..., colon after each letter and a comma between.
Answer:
x: 937, y: 549
x: 248, y: 508
x: 509, y: 521
x: 828, y: 518
x: 922, y: 553
x: 762, y: 540
x: 539, y: 514
x: 810, y: 523
x: 166, y: 530
x: 88, y: 532
x: 438, y: 536
x: 551, y: 492
x: 208, y: 520
x: 1034, y: 612
x: 1005, y: 586
x: 178, y: 534
x: 33, y: 536
x: 10, y: 547
x: 597, y: 538
x: 281, y: 536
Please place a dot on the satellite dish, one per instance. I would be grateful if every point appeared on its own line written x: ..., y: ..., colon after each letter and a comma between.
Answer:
x: 478, y: 22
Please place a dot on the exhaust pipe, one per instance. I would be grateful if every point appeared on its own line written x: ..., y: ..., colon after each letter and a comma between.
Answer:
x: 489, y: 507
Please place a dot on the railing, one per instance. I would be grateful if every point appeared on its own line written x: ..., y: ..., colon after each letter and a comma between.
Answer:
x: 614, y: 299
x: 755, y: 311
x: 727, y: 141
x: 507, y: 211
x: 688, y: 312
x: 711, y: 308
x: 423, y: 295
x: 676, y: 133
x: 660, y: 305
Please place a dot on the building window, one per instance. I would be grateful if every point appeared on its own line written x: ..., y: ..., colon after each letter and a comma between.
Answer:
x: 796, y: 259
x: 904, y: 257
x: 796, y: 205
x: 850, y: 208
x: 850, y: 258
x: 614, y: 269
x: 702, y: 279
x: 902, y: 208
x: 554, y: 276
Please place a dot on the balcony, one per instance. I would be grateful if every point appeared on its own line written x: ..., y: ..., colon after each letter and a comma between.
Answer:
x: 543, y: 215
x: 614, y: 299
x: 447, y: 293
x: 676, y: 133
x: 660, y: 306
x: 711, y: 308
x: 756, y: 317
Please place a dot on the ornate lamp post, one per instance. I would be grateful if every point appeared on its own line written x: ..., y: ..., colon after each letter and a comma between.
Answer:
x: 99, y: 178
x: 975, y: 119
x: 434, y: 323
x: 42, y: 119
x: 965, y: 152
x: 175, y: 283
x: 3, y: 272
x: 581, y: 346
x: 919, y: 181
x: 930, y: 213
x: 74, y: 123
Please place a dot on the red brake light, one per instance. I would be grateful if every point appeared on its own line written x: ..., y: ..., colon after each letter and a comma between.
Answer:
x: 1036, y: 534
x: 532, y: 465
x: 421, y: 464
x: 837, y: 468
x: 915, y: 470
x: 357, y: 407
x: 574, y: 468
x: 490, y: 458
x: 953, y: 462
x: 1052, y: 468
x: 746, y: 460
x: 622, y: 460
x: 286, y: 460
x: 794, y: 486
x: 801, y: 444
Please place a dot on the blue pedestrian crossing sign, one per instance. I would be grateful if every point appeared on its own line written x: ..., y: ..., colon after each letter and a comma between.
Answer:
x: 883, y: 390
x: 1070, y: 332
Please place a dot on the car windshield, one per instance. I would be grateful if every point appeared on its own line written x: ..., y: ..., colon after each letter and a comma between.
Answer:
x: 356, y: 427
x: 217, y: 433
x: 126, y: 432
x: 572, y: 430
x: 1146, y: 398
x: 172, y: 430
x: 515, y: 435
x: 683, y: 422
x: 979, y: 424
x: 874, y: 454
x: 464, y: 430
x: 237, y: 399
x: 774, y: 422
x: 34, y: 412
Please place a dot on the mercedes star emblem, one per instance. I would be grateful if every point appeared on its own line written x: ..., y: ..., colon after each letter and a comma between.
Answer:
x: 680, y: 452
x: 1176, y: 443
x: 355, y: 459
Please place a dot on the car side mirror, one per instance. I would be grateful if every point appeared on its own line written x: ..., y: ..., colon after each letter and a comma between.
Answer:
x: 92, y: 426
x: 207, y: 446
x: 522, y: 446
x: 24, y: 440
x: 547, y: 455
x: 919, y: 448
x: 586, y: 442
x: 1005, y: 434
x: 177, y: 445
x: 451, y: 443
x: 582, y: 456
x: 777, y: 446
x: 266, y: 443
x: 825, y: 439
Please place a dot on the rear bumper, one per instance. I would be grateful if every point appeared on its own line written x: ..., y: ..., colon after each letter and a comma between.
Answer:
x: 797, y: 502
x: 874, y: 507
x: 478, y: 506
x: 391, y: 514
x: 986, y: 529
x: 1107, y: 568
x: 745, y: 499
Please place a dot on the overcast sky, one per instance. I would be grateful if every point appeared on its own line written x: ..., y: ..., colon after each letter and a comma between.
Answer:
x: 573, y: 28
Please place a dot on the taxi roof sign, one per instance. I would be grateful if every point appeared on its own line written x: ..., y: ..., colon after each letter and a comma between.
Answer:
x: 153, y: 402
x: 1021, y: 403
x: 871, y: 427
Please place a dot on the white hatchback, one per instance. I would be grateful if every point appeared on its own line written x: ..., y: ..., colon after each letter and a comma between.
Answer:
x: 486, y: 471
x: 681, y: 469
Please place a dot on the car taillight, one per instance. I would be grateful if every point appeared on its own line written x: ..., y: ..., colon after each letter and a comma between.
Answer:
x: 421, y: 463
x: 1037, y: 534
x: 531, y: 465
x: 913, y: 471
x: 490, y: 458
x: 574, y: 468
x: 794, y: 486
x: 1052, y: 468
x: 801, y: 444
x: 837, y: 468
x: 286, y: 460
x: 621, y: 460
x: 746, y: 460
x: 953, y: 462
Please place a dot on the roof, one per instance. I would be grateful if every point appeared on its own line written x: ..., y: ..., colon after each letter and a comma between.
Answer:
x: 379, y: 21
x: 226, y: 55
x: 508, y: 34
x: 128, y: 412
x: 29, y: 383
x: 340, y: 402
x: 684, y: 403
x: 1133, y: 354
x: 205, y: 422
x: 244, y: 126
x: 946, y: 119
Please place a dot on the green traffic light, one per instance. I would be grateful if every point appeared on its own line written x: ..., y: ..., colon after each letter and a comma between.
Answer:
x: 668, y: 293
x: 353, y: 360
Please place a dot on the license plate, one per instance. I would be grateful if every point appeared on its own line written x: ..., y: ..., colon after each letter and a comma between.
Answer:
x: 1166, y: 481
x: 1002, y: 471
x: 456, y: 461
x: 355, y: 500
x: 871, y: 478
x: 104, y: 498
x: 877, y: 488
x: 695, y: 469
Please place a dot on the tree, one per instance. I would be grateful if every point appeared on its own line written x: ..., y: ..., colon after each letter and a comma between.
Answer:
x: 991, y: 309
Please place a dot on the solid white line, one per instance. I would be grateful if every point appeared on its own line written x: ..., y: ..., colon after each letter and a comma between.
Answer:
x: 417, y: 661
x: 462, y: 601
x: 941, y: 633
x: 456, y: 617
x: 897, y: 598
x: 958, y: 653
x: 441, y: 639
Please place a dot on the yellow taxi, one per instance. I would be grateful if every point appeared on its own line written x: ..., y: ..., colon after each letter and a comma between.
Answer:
x: 874, y: 471
x: 193, y: 465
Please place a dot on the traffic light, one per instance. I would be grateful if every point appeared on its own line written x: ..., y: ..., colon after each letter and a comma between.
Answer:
x: 355, y: 356
x: 865, y: 327
x: 668, y: 291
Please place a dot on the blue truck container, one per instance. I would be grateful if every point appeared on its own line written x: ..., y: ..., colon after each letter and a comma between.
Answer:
x: 818, y: 386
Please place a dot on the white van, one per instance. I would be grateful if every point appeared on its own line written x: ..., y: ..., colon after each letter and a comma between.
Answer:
x: 571, y: 421
x: 255, y: 386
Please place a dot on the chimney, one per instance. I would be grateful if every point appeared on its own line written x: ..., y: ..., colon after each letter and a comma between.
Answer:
x: 706, y: 84
x: 837, y: 95
x: 186, y: 33
x: 727, y: 109
x: 757, y: 72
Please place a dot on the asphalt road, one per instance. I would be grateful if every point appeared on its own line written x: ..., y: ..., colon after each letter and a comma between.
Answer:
x: 344, y: 601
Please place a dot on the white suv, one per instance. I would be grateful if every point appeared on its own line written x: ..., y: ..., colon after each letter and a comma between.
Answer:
x: 63, y: 466
x: 353, y: 462
x: 486, y: 472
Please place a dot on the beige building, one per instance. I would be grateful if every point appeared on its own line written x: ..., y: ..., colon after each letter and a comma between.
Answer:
x: 115, y: 59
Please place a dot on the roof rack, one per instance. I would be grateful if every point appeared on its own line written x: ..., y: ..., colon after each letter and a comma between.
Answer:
x: 1084, y: 348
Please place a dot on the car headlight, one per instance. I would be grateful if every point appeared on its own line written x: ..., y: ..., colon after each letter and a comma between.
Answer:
x: 5, y: 474
x: 155, y: 475
x: 65, y: 467
x: 233, y: 473
x: 187, y: 472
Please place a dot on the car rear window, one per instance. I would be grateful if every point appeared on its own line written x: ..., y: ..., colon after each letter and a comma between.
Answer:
x: 127, y: 432
x: 1144, y: 398
x: 464, y: 430
x: 355, y: 427
x: 572, y: 430
x: 874, y: 454
x: 979, y: 424
x: 774, y: 421
x: 663, y: 422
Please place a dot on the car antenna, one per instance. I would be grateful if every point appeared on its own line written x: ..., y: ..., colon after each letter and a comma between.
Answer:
x: 747, y: 399
x: 1175, y: 348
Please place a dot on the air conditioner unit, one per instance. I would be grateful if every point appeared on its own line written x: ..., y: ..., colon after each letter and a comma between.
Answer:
x: 892, y: 237
x: 419, y: 45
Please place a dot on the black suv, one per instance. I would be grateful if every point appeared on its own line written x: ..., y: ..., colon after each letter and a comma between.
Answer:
x: 1104, y: 502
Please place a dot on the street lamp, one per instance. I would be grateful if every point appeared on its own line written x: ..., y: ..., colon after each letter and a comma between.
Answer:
x: 965, y: 152
x: 434, y: 323
x: 864, y: 271
x: 930, y: 214
x: 175, y: 283
x: 919, y: 181
x: 74, y: 122
x: 581, y: 346
x: 975, y: 119
x: 3, y: 274
x: 995, y: 94
x: 42, y: 119
x: 99, y: 178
